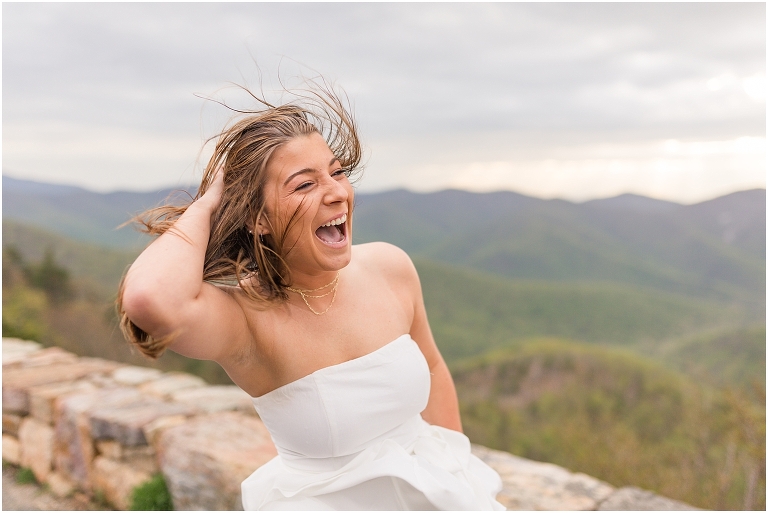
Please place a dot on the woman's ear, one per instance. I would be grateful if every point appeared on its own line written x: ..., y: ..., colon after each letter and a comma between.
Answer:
x: 262, y: 225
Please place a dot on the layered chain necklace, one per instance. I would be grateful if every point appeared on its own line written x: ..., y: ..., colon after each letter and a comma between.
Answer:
x: 308, y: 293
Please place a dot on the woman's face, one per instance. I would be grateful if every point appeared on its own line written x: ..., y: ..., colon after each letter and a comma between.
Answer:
x: 304, y: 176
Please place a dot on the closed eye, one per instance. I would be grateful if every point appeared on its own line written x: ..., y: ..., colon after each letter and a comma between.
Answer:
x: 341, y: 172
x: 303, y: 186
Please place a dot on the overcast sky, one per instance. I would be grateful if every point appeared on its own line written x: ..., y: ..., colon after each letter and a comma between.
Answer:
x: 574, y: 101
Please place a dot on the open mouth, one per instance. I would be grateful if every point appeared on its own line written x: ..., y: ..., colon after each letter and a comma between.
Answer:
x: 333, y: 232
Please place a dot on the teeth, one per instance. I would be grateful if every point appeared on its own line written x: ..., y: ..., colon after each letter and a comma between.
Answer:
x: 340, y: 220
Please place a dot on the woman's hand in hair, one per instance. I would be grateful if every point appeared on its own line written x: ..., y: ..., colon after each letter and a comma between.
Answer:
x: 212, y: 195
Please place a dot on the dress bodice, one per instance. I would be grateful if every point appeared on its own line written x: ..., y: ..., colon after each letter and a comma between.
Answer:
x: 351, y: 437
x: 338, y: 411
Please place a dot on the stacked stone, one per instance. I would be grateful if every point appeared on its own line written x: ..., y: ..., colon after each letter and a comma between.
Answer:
x: 535, y: 486
x: 88, y: 425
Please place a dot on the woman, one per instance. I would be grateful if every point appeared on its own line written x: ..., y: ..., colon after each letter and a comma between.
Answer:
x: 331, y: 340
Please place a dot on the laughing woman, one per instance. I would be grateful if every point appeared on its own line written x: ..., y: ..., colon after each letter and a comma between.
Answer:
x: 330, y: 340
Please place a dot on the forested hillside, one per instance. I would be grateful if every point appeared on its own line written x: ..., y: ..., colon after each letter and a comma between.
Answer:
x: 81, y: 214
x: 61, y: 292
x: 715, y: 249
x: 621, y: 418
x: 472, y: 312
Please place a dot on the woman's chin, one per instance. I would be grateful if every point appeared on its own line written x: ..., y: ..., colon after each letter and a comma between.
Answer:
x: 338, y: 258
x: 330, y: 256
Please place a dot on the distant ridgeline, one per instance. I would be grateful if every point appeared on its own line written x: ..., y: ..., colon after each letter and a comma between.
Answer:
x: 623, y: 338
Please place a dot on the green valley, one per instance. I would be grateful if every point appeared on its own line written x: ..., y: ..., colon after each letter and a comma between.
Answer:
x: 471, y: 312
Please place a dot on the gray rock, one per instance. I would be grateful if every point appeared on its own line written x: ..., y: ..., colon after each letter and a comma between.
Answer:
x: 11, y: 450
x: 18, y: 381
x: 42, y: 398
x: 109, y: 449
x: 117, y: 481
x: 11, y: 423
x: 140, y: 457
x: 13, y: 345
x: 132, y: 375
x: 216, y: 398
x: 531, y: 485
x: 124, y: 423
x: 631, y: 498
x: 103, y: 381
x: 205, y: 460
x: 48, y: 356
x: 16, y: 350
x: 583, y: 485
x: 73, y: 444
x: 31, y: 497
x: 172, y: 382
x: 154, y: 429
x: 59, y: 485
x: 36, y: 440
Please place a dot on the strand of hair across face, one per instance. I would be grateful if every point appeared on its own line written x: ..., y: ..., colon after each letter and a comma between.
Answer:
x: 304, y: 294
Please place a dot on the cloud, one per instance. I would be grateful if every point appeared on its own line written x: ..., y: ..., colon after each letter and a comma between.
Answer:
x: 431, y: 83
x: 117, y: 159
x: 687, y: 172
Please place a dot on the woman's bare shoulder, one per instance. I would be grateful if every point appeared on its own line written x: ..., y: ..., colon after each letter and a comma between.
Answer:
x: 382, y: 257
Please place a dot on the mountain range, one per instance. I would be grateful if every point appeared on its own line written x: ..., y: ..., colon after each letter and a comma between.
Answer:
x: 714, y: 249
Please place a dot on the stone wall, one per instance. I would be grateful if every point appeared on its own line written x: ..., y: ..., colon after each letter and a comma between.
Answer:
x: 91, y: 425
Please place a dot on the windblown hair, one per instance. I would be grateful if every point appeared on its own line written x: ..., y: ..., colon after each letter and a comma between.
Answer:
x: 234, y: 256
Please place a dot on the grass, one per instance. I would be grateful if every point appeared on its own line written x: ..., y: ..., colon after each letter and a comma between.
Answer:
x: 25, y: 476
x: 152, y: 496
x: 100, y: 499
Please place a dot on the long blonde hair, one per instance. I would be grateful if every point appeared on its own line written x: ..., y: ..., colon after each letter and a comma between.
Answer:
x: 242, y: 151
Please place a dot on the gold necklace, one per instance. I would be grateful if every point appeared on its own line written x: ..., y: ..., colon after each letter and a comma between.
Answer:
x: 304, y: 294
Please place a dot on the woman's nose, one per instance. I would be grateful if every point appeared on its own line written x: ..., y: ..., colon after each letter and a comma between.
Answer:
x: 335, y: 191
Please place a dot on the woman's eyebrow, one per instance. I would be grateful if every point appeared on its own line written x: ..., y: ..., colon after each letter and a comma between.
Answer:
x: 307, y: 170
x: 297, y: 173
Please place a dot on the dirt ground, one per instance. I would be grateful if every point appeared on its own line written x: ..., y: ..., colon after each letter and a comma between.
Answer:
x: 33, y: 497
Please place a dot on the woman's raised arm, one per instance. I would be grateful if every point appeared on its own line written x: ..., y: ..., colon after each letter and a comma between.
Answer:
x: 164, y: 293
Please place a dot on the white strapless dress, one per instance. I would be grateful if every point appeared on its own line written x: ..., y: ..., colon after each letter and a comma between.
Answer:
x: 351, y: 437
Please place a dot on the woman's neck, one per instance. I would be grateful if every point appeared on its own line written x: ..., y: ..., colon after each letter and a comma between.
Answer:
x: 309, y: 282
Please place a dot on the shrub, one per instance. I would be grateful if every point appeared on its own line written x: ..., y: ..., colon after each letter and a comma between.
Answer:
x: 152, y: 496
x: 26, y: 476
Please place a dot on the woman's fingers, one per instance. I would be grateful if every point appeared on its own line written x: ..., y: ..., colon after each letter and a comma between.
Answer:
x: 215, y: 190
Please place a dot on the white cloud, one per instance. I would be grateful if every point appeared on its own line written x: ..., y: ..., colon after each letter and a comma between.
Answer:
x: 755, y: 87
x: 686, y: 171
x: 119, y: 159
